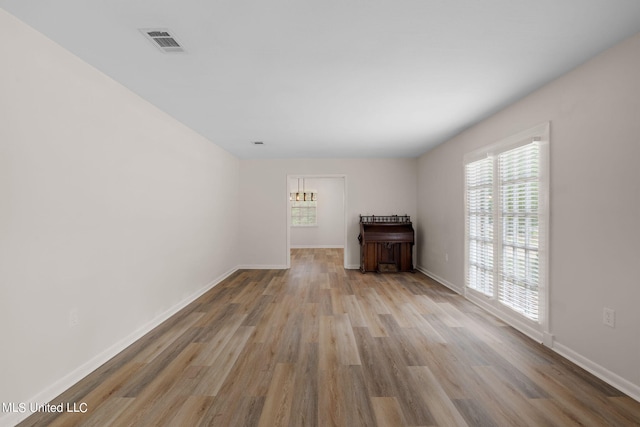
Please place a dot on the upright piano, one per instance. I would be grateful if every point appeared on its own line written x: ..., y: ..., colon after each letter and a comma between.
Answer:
x: 386, y: 243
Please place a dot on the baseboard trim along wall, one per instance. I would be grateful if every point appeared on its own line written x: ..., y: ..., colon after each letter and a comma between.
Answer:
x: 513, y: 321
x: 317, y: 246
x: 262, y: 267
x: 439, y: 279
x: 64, y: 383
x: 625, y: 386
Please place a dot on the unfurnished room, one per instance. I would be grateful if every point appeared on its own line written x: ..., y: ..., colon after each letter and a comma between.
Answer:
x: 304, y: 213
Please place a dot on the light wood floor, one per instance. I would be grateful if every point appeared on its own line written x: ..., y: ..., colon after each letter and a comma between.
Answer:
x: 320, y: 346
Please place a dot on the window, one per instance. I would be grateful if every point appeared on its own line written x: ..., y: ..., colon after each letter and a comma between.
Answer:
x: 480, y: 225
x: 303, y: 209
x: 506, y: 221
x: 519, y: 264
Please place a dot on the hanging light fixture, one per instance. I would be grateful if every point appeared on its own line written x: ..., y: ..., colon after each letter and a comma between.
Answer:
x: 296, y: 196
x: 303, y: 195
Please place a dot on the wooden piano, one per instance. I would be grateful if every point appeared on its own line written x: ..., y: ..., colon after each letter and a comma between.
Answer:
x: 386, y: 243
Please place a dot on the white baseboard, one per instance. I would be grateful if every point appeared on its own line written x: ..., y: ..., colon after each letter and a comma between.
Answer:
x: 548, y: 339
x: 513, y: 321
x: 510, y: 320
x: 439, y: 279
x: 625, y: 386
x: 64, y: 383
x: 317, y: 246
x: 262, y: 267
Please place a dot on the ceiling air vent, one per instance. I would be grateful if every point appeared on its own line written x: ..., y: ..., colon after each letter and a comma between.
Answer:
x: 163, y: 39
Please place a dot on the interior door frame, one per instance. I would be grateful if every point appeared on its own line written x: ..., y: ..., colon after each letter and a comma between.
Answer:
x: 343, y: 177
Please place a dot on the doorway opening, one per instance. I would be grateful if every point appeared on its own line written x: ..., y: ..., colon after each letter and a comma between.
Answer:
x: 328, y: 229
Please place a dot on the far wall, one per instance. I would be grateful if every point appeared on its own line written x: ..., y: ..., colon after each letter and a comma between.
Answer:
x: 373, y: 186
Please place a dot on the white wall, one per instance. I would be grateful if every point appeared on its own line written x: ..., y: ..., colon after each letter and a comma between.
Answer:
x: 107, y: 205
x: 595, y: 207
x: 374, y: 186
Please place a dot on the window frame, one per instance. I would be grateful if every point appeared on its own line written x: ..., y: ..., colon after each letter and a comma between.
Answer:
x: 537, y: 330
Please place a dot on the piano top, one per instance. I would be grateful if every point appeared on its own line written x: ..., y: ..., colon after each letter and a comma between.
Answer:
x: 386, y: 232
x: 385, y: 219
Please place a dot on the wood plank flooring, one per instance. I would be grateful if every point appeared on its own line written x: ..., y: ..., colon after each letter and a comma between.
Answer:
x: 320, y: 346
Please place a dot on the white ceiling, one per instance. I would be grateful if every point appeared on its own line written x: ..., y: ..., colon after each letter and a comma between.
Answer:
x: 333, y: 78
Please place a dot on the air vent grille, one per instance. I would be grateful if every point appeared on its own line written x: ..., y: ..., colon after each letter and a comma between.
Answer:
x: 163, y: 40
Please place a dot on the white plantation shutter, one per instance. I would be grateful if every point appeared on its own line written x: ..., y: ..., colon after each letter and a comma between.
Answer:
x: 506, y: 190
x: 479, y: 179
x: 518, y: 277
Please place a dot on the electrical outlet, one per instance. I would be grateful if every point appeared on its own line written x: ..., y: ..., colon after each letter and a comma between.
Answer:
x: 446, y: 257
x: 74, y: 318
x: 609, y: 317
